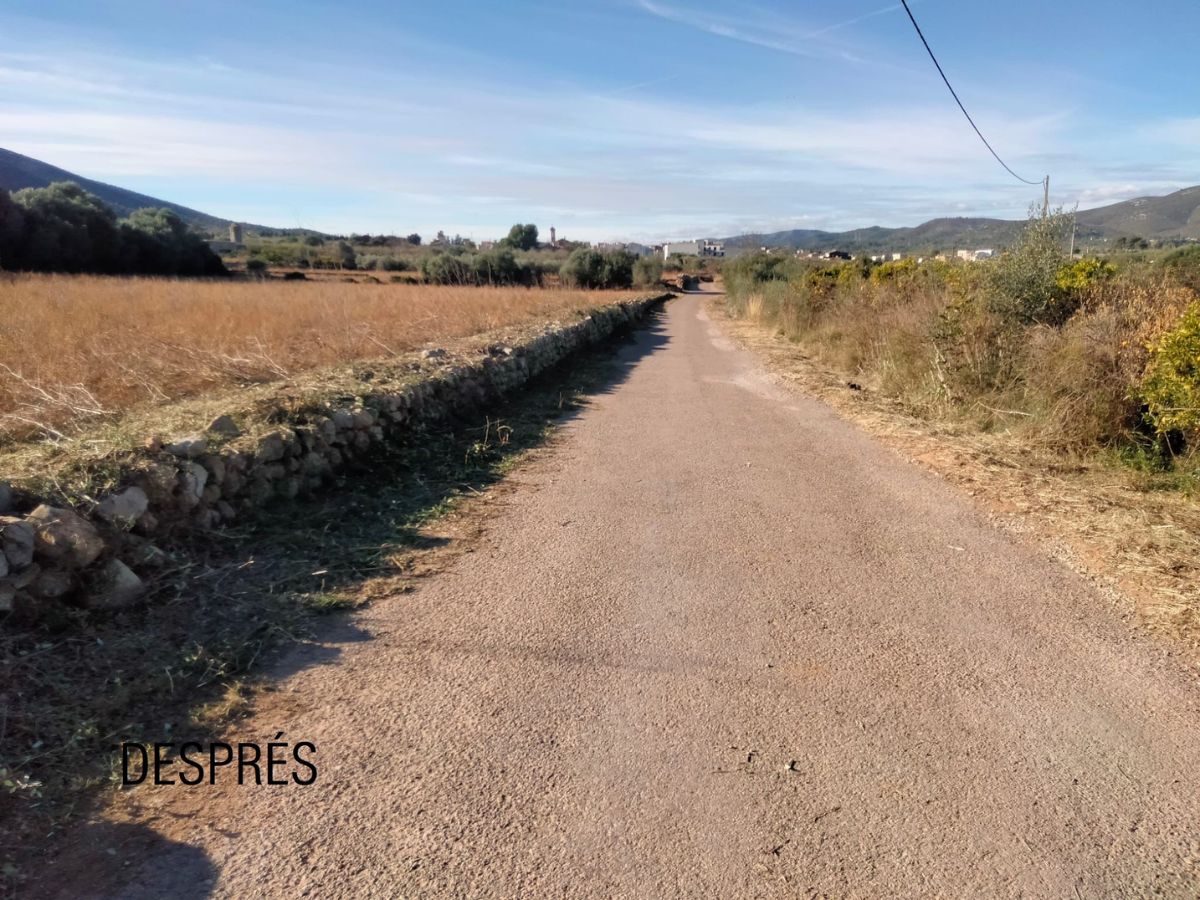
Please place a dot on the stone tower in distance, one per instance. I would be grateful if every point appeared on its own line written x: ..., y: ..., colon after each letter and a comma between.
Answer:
x: 553, y: 241
x: 235, y: 232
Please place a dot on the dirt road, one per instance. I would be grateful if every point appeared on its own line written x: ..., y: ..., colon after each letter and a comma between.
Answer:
x: 723, y: 645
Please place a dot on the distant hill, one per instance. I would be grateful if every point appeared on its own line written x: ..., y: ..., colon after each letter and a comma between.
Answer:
x: 938, y: 234
x: 1176, y: 215
x: 17, y: 172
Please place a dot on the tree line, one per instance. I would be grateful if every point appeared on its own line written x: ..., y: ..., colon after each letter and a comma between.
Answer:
x: 584, y: 268
x: 63, y: 228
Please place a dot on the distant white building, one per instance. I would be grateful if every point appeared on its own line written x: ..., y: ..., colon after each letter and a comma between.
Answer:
x: 694, y: 248
x: 975, y: 255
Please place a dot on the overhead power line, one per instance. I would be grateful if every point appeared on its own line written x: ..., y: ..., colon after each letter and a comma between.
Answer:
x: 954, y: 94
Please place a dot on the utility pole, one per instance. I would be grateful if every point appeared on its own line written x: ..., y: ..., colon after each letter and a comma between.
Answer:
x: 1046, y: 202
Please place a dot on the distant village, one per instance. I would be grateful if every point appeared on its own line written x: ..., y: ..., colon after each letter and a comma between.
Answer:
x: 703, y: 247
x: 709, y: 248
x: 965, y: 255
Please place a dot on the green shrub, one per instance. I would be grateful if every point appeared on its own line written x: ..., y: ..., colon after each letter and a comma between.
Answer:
x: 1022, y: 285
x: 647, y: 271
x: 495, y: 268
x: 1082, y: 274
x: 1171, y: 386
x: 591, y: 269
x: 500, y: 267
x: 975, y: 351
x: 446, y: 268
x: 521, y: 237
x: 63, y: 228
x: 1184, y: 266
x: 744, y: 274
x: 903, y: 270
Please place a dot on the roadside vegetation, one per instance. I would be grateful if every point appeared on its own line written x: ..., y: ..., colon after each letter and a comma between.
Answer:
x: 76, y: 350
x: 1090, y: 356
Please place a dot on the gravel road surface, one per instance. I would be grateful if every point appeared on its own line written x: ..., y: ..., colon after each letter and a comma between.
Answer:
x: 722, y: 644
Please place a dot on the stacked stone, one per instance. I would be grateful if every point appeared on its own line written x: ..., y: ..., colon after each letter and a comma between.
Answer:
x: 199, y: 481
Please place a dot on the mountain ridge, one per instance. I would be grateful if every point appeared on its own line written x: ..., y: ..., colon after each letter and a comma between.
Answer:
x: 1174, y: 215
x: 18, y: 171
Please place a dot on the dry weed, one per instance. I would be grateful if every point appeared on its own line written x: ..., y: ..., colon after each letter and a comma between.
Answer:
x: 77, y: 349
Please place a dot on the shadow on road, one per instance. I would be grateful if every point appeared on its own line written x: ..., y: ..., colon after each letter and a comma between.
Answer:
x: 101, y: 855
x: 269, y: 596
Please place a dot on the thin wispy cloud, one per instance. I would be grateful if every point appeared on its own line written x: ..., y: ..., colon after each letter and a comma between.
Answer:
x: 838, y: 26
x: 448, y: 124
x: 771, y: 31
x: 723, y: 28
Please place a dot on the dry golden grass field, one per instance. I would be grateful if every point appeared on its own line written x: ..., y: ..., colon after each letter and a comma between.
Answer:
x: 75, y: 349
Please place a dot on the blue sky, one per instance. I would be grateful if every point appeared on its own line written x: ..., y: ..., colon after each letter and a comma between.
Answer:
x: 635, y: 119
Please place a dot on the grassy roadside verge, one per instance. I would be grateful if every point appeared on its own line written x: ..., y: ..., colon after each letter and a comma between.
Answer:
x: 1131, y: 531
x: 185, y: 663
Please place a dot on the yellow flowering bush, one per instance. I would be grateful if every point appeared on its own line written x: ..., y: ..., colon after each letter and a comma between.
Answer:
x: 1171, y: 386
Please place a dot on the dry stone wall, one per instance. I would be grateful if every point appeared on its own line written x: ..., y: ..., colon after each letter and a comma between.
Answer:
x: 101, y: 557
